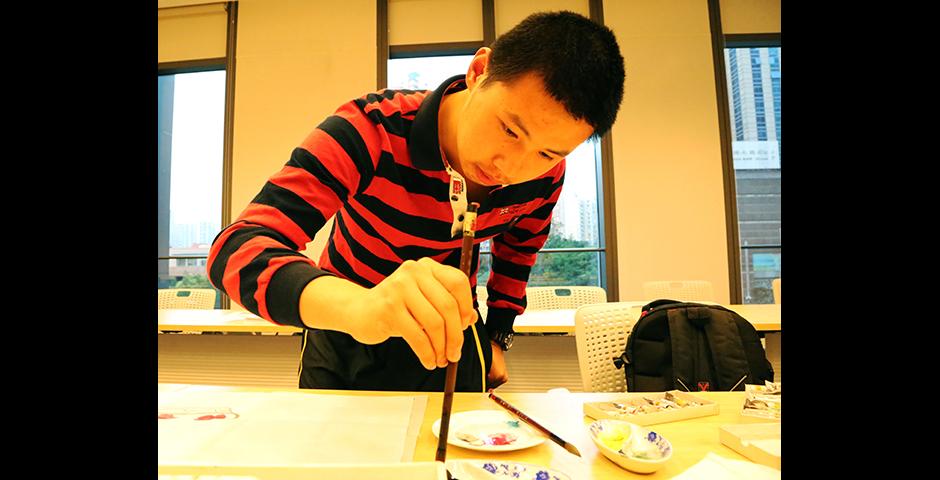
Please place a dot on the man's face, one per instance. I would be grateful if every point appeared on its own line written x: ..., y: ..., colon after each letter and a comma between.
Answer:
x: 513, y: 132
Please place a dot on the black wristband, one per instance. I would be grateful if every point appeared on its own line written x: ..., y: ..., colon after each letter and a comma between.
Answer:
x: 503, y: 339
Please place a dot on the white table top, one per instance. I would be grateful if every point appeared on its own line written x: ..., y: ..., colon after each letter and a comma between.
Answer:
x: 178, y: 320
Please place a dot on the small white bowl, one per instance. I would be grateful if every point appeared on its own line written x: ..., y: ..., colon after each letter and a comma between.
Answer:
x: 631, y: 441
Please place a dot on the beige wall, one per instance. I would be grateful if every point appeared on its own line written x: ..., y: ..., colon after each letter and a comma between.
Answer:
x: 510, y: 12
x: 434, y: 21
x: 667, y: 156
x: 296, y: 62
x: 191, y: 33
x: 750, y: 16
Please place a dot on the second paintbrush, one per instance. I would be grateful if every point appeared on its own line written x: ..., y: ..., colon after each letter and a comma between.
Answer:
x: 525, y: 418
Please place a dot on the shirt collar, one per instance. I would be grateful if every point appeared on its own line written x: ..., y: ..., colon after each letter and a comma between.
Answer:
x: 424, y: 145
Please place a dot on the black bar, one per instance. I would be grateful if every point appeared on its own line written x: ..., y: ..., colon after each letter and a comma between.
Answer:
x: 727, y: 161
x: 381, y: 39
x: 171, y: 7
x: 433, y: 49
x: 752, y: 40
x: 609, y: 218
x: 190, y: 66
x: 551, y: 250
x: 489, y: 23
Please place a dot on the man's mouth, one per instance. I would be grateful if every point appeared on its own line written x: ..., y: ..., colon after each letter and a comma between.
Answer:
x: 488, y: 179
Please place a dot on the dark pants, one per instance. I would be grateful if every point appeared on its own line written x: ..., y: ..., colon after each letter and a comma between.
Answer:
x: 334, y: 360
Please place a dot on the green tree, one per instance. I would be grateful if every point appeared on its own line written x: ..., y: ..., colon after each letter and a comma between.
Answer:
x: 551, y: 268
x: 483, y: 271
x: 193, y: 281
x: 564, y: 268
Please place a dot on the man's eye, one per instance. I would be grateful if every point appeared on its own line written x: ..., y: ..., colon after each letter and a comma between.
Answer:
x: 545, y: 155
x: 510, y: 132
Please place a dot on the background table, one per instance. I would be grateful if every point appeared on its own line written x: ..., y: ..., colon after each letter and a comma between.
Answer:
x: 764, y: 317
x: 227, y: 321
x: 255, y: 352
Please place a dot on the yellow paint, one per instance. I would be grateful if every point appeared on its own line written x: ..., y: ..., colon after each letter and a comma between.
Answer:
x: 614, y: 438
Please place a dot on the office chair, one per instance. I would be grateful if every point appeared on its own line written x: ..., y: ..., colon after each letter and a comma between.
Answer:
x: 186, y: 298
x: 563, y: 298
x: 601, y: 332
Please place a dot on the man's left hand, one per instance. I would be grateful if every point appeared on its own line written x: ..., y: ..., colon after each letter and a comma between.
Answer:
x: 498, y: 374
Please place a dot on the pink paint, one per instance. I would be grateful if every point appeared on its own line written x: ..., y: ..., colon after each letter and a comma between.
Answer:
x: 210, y: 417
x: 500, y: 439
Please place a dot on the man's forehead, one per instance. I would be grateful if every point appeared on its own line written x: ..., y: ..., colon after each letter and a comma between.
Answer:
x: 535, y: 113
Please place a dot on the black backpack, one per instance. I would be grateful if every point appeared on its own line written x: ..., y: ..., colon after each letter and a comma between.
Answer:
x: 692, y: 347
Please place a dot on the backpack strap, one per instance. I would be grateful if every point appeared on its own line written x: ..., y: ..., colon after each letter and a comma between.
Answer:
x: 727, y: 350
x: 706, y: 346
x: 684, y: 339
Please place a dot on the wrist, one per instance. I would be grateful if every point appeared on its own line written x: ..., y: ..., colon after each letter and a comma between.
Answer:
x: 327, y: 302
x: 503, y: 340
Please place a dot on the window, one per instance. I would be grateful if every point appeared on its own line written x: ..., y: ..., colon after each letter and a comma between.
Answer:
x: 190, y: 128
x: 753, y: 76
x: 425, y: 73
x: 574, y: 253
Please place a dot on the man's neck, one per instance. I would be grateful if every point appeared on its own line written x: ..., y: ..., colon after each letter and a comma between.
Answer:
x: 477, y: 193
x: 447, y: 123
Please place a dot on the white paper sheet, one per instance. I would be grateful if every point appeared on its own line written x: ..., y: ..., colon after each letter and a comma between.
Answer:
x: 716, y: 466
x: 285, y: 428
x: 335, y: 471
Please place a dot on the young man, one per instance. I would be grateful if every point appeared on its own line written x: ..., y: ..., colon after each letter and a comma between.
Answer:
x: 386, y: 308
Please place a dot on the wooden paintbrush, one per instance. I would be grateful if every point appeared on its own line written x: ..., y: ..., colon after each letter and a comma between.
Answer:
x: 450, y: 379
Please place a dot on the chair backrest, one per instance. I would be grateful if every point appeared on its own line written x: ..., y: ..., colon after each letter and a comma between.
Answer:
x: 601, y: 332
x: 684, y: 290
x: 558, y: 298
x: 186, y: 298
x: 776, y: 286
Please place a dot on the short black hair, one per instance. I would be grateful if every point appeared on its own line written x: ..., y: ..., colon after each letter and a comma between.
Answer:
x: 578, y: 60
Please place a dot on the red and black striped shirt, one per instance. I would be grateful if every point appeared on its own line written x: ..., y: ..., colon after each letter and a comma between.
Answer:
x: 376, y: 165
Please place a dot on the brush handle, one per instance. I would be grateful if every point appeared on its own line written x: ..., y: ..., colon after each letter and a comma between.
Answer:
x: 450, y: 379
x: 450, y: 382
x: 469, y: 232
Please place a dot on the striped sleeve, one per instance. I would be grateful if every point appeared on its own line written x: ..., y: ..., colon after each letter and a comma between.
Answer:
x: 514, y: 254
x: 256, y: 260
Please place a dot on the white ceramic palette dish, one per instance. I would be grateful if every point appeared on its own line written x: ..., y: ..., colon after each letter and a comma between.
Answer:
x: 488, y: 431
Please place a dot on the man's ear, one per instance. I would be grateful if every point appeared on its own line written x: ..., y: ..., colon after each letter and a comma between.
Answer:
x: 479, y: 67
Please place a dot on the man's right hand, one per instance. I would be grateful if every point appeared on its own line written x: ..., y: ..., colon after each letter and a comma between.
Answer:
x: 426, y: 303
